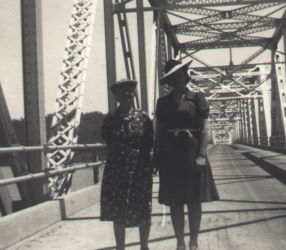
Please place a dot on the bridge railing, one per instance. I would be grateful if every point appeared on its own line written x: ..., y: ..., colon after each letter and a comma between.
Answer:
x: 273, y: 143
x: 99, y: 160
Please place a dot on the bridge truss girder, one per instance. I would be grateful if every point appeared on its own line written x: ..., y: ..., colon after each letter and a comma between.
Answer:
x: 238, y: 93
x: 253, y: 24
x: 66, y: 118
x: 244, y: 98
x: 206, y: 25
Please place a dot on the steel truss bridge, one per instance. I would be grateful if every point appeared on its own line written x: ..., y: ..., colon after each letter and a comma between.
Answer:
x: 238, y: 52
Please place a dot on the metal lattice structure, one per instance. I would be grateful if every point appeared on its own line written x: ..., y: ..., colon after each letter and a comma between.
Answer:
x: 238, y: 50
x: 186, y: 29
x: 236, y: 87
x: 66, y: 118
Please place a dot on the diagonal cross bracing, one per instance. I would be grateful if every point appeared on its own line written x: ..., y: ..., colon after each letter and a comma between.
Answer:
x: 214, y: 3
x: 186, y: 27
x: 214, y: 44
x: 205, y: 24
x: 66, y: 118
x: 239, y: 14
x: 213, y: 32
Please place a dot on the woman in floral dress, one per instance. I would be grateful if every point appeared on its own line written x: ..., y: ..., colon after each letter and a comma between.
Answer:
x: 126, y: 191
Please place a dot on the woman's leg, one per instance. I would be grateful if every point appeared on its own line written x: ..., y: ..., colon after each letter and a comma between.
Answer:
x: 177, y: 215
x: 195, y: 215
x: 119, y: 233
x: 144, y: 231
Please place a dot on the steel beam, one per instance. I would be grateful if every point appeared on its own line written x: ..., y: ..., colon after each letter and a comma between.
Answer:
x: 240, y: 13
x: 228, y: 67
x: 142, y: 55
x: 282, y: 83
x: 246, y: 121
x: 126, y: 46
x: 110, y: 51
x: 34, y: 97
x: 8, y: 138
x: 279, y: 97
x: 215, y: 43
x: 266, y: 93
x: 248, y: 59
x: 152, y: 80
x: 213, y: 3
x: 177, y: 5
x: 69, y: 99
x: 226, y: 26
x: 279, y: 31
x: 250, y: 121
x: 256, y: 125
x: 233, y: 98
x: 166, y: 24
x: 241, y: 131
x: 206, y: 32
x: 262, y: 124
x: 162, y: 54
x: 169, y: 49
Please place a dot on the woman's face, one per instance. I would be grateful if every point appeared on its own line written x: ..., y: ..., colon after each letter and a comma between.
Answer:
x: 124, y: 94
x: 178, y: 80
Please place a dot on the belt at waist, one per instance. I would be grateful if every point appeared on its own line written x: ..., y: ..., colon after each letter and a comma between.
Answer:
x: 176, y: 131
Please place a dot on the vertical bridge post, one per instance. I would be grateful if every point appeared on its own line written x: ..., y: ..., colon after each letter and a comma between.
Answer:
x: 34, y: 101
x: 142, y: 55
x: 110, y: 51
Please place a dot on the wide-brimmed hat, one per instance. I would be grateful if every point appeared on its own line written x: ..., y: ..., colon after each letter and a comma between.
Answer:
x: 122, y: 83
x: 171, y: 67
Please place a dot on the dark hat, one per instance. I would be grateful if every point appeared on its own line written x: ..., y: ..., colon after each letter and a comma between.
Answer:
x: 122, y: 83
x: 171, y: 67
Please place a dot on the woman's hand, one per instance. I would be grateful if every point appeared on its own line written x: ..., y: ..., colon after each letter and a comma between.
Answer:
x: 201, y: 160
x: 155, y: 171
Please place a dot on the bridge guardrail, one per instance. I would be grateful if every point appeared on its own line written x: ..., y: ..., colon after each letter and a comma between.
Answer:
x: 274, y: 143
x: 53, y: 172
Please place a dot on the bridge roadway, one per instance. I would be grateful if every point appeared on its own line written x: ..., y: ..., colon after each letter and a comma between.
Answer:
x: 250, y: 215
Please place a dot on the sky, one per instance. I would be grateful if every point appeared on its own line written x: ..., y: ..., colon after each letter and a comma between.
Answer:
x: 56, y: 18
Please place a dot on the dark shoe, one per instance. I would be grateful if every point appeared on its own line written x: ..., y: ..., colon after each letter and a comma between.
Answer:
x: 181, y: 248
x: 194, y: 245
x: 194, y: 248
x: 144, y: 248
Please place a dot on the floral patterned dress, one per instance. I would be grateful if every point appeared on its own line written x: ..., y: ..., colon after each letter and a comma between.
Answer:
x: 126, y: 190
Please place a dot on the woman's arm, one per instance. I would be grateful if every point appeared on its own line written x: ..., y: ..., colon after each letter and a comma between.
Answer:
x: 148, y: 135
x: 105, y: 130
x: 156, y: 150
x: 203, y: 141
x: 159, y: 130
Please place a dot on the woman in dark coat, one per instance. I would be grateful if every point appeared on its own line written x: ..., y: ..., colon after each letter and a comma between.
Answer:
x: 127, y: 179
x: 180, y: 152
